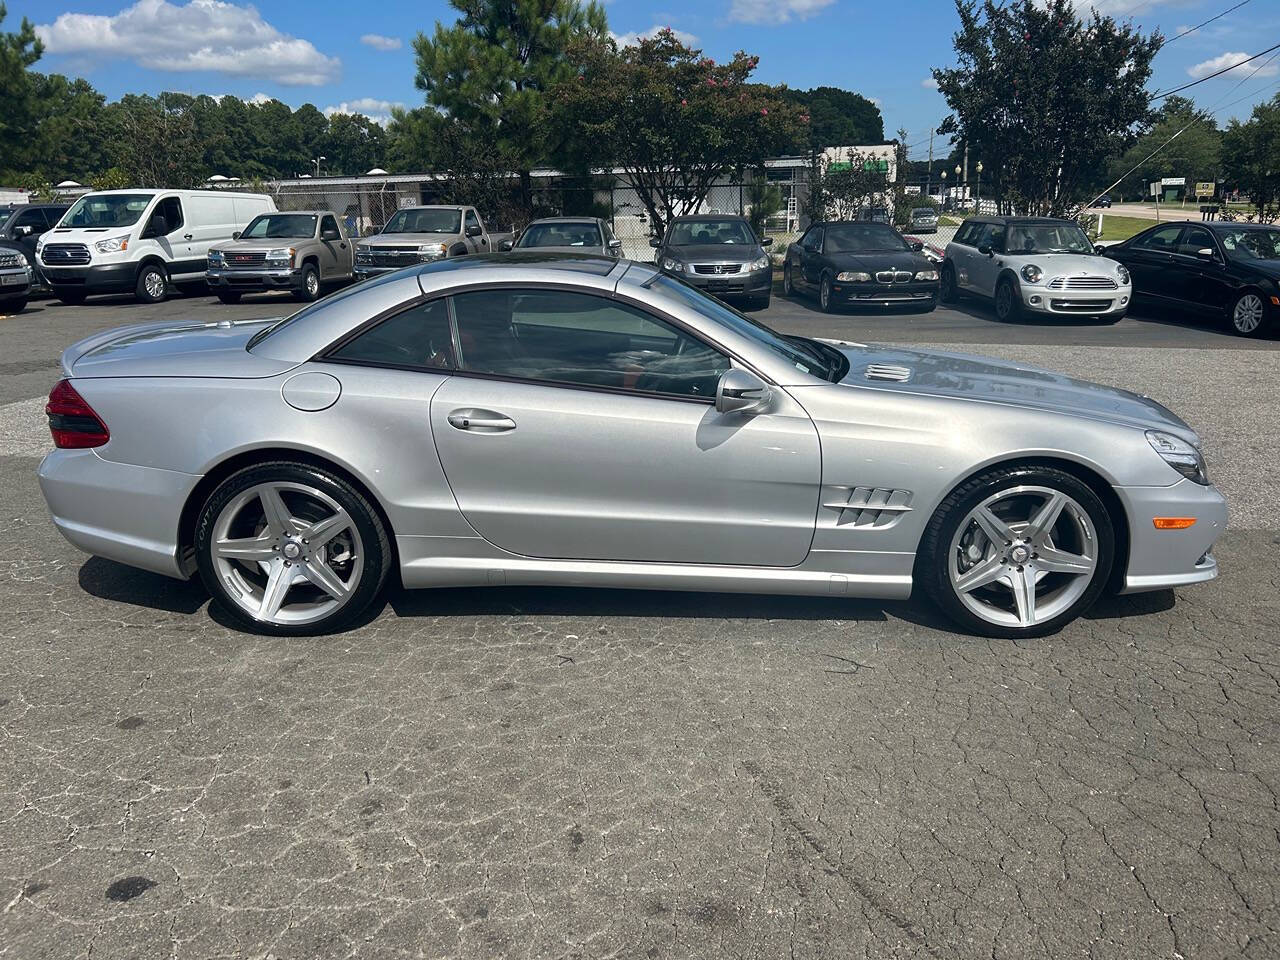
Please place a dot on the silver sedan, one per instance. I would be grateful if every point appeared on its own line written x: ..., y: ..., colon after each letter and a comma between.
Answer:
x: 590, y: 421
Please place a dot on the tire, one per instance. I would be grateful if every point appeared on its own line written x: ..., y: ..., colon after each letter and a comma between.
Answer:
x: 1008, y: 302
x: 948, y: 292
x: 824, y: 294
x: 354, y: 560
x: 309, y: 286
x: 988, y: 603
x: 788, y: 287
x: 16, y: 305
x: 229, y: 296
x: 1248, y: 315
x: 762, y: 303
x: 153, y: 283
x: 71, y: 298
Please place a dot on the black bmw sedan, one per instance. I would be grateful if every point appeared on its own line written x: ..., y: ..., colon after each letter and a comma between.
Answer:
x: 860, y: 264
x: 1222, y: 271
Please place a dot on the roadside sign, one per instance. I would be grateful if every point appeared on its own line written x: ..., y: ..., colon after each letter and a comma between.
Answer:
x: 1204, y: 189
x: 1173, y: 181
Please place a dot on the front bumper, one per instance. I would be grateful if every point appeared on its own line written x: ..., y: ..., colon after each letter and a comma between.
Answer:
x: 92, y: 278
x: 268, y: 278
x: 1160, y: 559
x: 755, y: 283
x: 923, y: 293
x: 1091, y: 303
x: 14, y: 283
x: 115, y: 510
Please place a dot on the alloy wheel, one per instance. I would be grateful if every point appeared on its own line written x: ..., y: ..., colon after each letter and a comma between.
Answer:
x: 287, y: 553
x: 313, y: 285
x: 1023, y: 556
x: 1004, y: 301
x: 786, y: 280
x: 153, y: 282
x: 824, y: 293
x: 1247, y: 316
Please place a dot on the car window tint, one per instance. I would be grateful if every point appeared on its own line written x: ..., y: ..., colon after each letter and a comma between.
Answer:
x: 418, y: 337
x: 1162, y: 238
x: 31, y: 218
x: 580, y: 339
x: 329, y: 223
x: 992, y: 236
x: 1195, y: 239
x: 812, y: 239
x: 968, y: 233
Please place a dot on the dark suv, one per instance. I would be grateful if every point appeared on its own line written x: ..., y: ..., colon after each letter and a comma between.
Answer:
x: 719, y: 254
x: 22, y: 225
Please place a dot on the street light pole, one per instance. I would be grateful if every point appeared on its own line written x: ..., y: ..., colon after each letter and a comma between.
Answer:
x: 316, y: 161
x: 962, y: 196
x: 977, y: 203
x: 944, y: 189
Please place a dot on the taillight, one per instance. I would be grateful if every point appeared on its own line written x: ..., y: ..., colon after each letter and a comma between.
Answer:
x: 73, y: 423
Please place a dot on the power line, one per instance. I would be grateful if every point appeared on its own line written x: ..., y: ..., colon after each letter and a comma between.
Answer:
x: 1205, y: 24
x: 1218, y: 73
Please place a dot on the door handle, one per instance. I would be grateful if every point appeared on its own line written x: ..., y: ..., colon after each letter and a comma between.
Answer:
x: 186, y: 236
x: 480, y: 421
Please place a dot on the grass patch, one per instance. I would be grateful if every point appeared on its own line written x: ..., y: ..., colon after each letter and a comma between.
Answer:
x: 1122, y: 228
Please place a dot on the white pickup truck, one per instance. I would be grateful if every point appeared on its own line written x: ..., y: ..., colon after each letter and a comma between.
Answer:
x: 422, y: 234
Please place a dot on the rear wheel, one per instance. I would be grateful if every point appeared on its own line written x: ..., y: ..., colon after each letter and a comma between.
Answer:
x: 947, y: 290
x: 153, y: 283
x: 1248, y: 314
x: 1017, y: 552
x: 229, y: 296
x: 291, y: 549
x: 1008, y: 302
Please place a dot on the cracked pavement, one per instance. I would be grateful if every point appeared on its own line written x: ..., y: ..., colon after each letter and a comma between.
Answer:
x: 573, y: 773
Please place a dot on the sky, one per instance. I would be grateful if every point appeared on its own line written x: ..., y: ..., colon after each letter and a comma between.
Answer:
x: 353, y: 58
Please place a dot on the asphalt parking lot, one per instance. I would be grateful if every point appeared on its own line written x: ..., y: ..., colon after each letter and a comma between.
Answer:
x: 575, y: 773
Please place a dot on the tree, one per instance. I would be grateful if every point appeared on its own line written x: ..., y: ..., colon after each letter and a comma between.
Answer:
x: 353, y: 144
x: 764, y: 200
x: 1251, y: 157
x: 154, y: 140
x: 1047, y: 96
x: 1196, y: 154
x: 837, y: 118
x: 673, y: 120
x: 840, y: 188
x: 18, y: 116
x: 492, y: 69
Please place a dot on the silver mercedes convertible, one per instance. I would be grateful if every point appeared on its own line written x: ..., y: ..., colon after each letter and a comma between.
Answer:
x: 543, y: 419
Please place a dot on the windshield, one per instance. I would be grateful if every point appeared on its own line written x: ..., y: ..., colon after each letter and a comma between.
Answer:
x: 4, y: 216
x: 107, y: 210
x: 430, y: 220
x: 280, y: 226
x: 804, y: 355
x: 1246, y: 245
x: 1046, y: 238
x: 688, y: 232
x: 860, y: 237
x: 561, y: 235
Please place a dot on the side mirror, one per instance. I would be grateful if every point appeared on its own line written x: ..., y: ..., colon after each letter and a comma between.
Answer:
x: 329, y: 234
x: 767, y: 242
x: 740, y: 391
x: 474, y: 230
x: 985, y: 250
x: 24, y: 231
x: 655, y: 242
x: 1099, y: 249
x: 1205, y: 253
x: 505, y: 246
x: 615, y: 244
x: 915, y: 245
x: 236, y: 235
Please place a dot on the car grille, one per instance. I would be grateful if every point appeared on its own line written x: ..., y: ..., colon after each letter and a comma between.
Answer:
x: 69, y: 254
x: 9, y: 260
x: 1081, y: 306
x: 244, y: 260
x: 391, y: 256
x: 1082, y: 283
x: 894, y: 276
x: 717, y: 269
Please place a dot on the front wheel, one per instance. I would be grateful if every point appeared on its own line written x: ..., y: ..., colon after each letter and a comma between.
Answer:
x: 1248, y: 314
x: 1017, y: 552
x: 787, y: 286
x: 289, y: 548
x: 1008, y: 302
x: 309, y: 289
x: 824, y: 293
x: 17, y: 305
x: 153, y: 283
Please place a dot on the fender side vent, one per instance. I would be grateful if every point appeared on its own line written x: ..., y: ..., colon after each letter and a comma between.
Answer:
x: 874, y: 507
x: 887, y: 371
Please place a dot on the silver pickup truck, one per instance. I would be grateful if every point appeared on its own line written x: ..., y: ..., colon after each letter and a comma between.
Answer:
x: 421, y: 234
x: 301, y: 250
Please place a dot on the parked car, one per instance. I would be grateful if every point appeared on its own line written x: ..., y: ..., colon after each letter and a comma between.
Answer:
x: 585, y: 235
x: 300, y: 250
x: 874, y: 214
x: 596, y: 422
x: 720, y: 254
x: 141, y: 241
x: 15, y: 278
x: 1103, y: 201
x: 1223, y: 271
x: 25, y: 223
x: 860, y: 264
x: 1034, y: 265
x: 420, y: 235
x: 923, y: 220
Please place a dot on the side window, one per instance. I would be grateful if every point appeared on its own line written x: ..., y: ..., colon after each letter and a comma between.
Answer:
x: 992, y: 236
x: 471, y: 219
x: 812, y: 239
x: 171, y: 209
x: 967, y: 235
x: 329, y: 223
x: 418, y: 337
x: 1195, y: 239
x: 1162, y: 238
x: 584, y: 340
x: 31, y: 218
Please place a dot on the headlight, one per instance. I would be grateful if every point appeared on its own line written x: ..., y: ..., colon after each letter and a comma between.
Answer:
x: 364, y: 254
x: 672, y: 264
x: 762, y: 264
x: 1180, y: 455
x: 1123, y: 274
x: 215, y: 258
x: 927, y: 275
x: 281, y: 255
x: 854, y: 276
x: 431, y: 251
x: 114, y: 245
x: 1031, y: 273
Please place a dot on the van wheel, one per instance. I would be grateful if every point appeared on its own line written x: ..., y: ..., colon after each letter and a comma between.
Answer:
x: 309, y: 289
x: 229, y: 296
x: 153, y: 284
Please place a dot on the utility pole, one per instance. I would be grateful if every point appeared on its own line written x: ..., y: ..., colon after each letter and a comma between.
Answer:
x: 929, y: 176
x: 964, y: 195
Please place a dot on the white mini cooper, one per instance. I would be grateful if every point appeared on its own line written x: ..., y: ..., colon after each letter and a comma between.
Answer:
x: 1034, y: 265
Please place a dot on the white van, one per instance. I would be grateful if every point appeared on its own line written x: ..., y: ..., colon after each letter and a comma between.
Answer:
x: 140, y: 241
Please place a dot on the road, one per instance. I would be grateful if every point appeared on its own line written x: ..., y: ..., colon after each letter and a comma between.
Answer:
x: 577, y: 773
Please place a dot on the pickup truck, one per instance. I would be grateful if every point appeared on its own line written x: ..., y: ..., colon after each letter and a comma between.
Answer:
x: 422, y: 234
x: 15, y: 278
x: 298, y: 250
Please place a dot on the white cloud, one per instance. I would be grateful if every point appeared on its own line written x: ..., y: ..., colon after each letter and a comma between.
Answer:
x: 258, y: 99
x: 775, y: 11
x: 631, y: 39
x: 379, y: 42
x: 1227, y: 60
x: 379, y: 111
x: 202, y: 35
x: 929, y: 83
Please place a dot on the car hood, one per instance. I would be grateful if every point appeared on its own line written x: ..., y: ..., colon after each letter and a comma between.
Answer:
x: 173, y: 349
x: 580, y: 251
x: 261, y: 246
x: 718, y: 252
x: 405, y: 239
x: 1070, y: 264
x: 873, y: 260
x: 969, y: 377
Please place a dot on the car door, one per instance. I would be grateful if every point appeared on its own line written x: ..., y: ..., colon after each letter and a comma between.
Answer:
x: 984, y: 268
x: 170, y: 240
x: 579, y: 427
x: 1150, y: 260
x: 1201, y: 284
x: 811, y: 258
x: 335, y: 255
x: 960, y: 252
